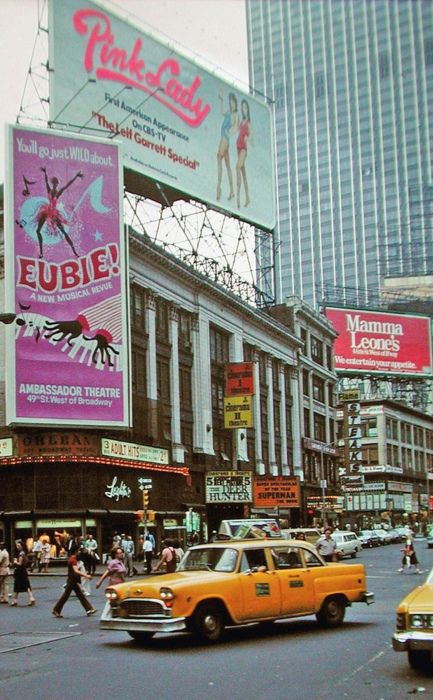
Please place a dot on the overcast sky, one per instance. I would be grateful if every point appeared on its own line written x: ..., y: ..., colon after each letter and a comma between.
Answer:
x: 214, y: 30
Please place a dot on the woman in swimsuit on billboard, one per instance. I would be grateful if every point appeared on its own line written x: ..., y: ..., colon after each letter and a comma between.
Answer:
x: 229, y: 125
x: 244, y: 138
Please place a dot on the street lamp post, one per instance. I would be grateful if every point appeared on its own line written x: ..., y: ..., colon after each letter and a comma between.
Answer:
x: 323, y: 485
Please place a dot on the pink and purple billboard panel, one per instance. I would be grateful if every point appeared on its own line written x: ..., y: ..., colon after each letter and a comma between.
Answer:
x: 67, y: 352
x: 381, y: 343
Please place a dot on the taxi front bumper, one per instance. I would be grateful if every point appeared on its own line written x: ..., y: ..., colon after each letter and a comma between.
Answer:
x: 148, y: 624
x: 412, y: 640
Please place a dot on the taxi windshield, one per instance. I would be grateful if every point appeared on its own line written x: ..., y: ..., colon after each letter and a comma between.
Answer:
x: 210, y: 559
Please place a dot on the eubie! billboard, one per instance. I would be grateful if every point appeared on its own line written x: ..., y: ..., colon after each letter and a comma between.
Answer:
x: 180, y: 124
x: 381, y: 342
x: 67, y: 351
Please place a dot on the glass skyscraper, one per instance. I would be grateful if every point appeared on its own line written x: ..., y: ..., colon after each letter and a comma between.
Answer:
x: 351, y: 83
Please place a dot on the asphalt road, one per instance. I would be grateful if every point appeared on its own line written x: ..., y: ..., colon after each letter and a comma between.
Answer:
x: 44, y: 658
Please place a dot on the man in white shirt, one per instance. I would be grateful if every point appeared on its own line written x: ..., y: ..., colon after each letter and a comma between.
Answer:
x: 4, y: 573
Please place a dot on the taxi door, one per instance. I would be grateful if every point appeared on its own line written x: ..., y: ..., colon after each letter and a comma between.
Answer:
x: 261, y: 593
x: 295, y: 580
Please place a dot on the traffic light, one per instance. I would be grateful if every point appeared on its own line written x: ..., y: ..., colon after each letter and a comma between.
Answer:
x: 151, y: 515
x: 145, y: 498
x: 139, y: 516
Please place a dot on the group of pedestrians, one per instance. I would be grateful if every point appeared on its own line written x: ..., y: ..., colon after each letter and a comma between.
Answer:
x: 81, y: 566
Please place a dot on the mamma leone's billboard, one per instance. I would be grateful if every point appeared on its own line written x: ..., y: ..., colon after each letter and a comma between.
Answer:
x: 180, y: 124
x: 381, y: 343
x: 67, y: 352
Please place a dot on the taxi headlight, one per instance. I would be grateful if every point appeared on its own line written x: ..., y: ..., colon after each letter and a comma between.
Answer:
x: 416, y: 621
x: 111, y: 595
x: 166, y: 594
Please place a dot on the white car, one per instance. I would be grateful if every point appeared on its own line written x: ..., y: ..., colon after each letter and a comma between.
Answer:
x: 348, y: 544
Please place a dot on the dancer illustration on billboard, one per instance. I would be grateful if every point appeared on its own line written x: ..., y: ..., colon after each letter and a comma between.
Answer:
x: 243, y: 140
x: 49, y: 213
x: 229, y: 126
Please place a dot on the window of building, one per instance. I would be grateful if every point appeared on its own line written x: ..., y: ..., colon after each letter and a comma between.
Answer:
x: 369, y: 454
x: 137, y: 301
x: 369, y: 427
x: 185, y: 387
x: 319, y: 84
x: 219, y: 345
x: 184, y: 331
x: 163, y: 379
x: 316, y: 350
x: 138, y: 371
x: 217, y: 390
x: 161, y: 320
x: 318, y: 389
x: 319, y: 427
x: 307, y: 431
x: 428, y: 51
x: 305, y: 382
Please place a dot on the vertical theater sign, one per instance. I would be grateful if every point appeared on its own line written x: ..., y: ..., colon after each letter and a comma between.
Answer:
x: 67, y: 360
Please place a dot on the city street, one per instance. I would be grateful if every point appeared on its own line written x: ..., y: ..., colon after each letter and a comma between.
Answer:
x: 67, y: 659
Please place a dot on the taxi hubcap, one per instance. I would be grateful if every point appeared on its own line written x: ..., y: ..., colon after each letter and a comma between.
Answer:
x: 210, y: 623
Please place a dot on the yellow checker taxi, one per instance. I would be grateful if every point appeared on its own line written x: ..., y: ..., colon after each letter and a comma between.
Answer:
x: 414, y: 627
x: 233, y: 583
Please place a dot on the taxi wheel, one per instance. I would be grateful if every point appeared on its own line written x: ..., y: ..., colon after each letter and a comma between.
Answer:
x: 141, y: 636
x: 208, y: 623
x: 420, y: 660
x: 332, y: 612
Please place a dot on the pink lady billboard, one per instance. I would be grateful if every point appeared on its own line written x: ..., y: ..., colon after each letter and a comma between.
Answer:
x: 179, y: 123
x: 381, y: 343
x: 67, y: 351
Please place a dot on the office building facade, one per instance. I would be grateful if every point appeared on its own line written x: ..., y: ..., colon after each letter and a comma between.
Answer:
x: 348, y: 80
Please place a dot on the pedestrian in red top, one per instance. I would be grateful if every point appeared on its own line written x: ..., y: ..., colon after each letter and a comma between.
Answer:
x: 73, y: 584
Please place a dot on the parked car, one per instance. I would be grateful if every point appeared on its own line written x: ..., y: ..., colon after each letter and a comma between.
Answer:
x: 228, y: 583
x: 404, y: 531
x: 348, y: 544
x: 414, y: 626
x: 368, y: 538
x: 383, y: 536
x: 395, y: 535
